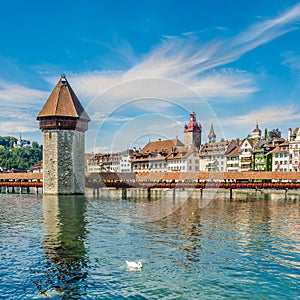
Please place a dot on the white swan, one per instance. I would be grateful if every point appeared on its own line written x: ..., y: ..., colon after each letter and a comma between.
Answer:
x: 134, y: 265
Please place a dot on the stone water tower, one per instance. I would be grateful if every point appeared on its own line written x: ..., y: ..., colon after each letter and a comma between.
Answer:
x: 63, y: 122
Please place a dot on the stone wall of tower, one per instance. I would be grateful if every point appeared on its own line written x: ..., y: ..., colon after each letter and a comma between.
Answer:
x: 63, y: 162
x: 191, y: 139
x: 188, y: 139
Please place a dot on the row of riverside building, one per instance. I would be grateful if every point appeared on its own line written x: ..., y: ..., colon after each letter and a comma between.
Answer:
x: 253, y: 153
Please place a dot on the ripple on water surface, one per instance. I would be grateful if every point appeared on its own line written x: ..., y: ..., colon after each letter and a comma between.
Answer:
x: 72, y: 248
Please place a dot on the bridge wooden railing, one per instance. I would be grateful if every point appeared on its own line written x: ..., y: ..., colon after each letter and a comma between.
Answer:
x: 198, y: 180
x: 13, y: 182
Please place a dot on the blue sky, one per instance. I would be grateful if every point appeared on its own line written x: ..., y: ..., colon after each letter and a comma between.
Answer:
x: 140, y: 67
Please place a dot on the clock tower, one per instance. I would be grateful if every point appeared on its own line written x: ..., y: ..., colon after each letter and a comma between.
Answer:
x: 192, y: 132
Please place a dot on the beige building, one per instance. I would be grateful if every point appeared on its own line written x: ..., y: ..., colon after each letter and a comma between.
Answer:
x: 280, y: 157
x: 232, y: 158
x: 183, y: 160
x: 117, y: 162
x: 294, y: 149
x: 213, y: 156
x: 245, y: 154
x: 153, y: 157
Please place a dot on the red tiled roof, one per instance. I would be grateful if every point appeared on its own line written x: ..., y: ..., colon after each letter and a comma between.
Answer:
x: 63, y: 102
x: 181, y: 153
x: 161, y: 146
x: 192, y: 125
x: 234, y: 152
x: 278, y: 150
x: 21, y: 176
x: 256, y: 129
x: 169, y: 176
x: 38, y: 165
x: 296, y: 130
x: 111, y: 176
x: 285, y: 143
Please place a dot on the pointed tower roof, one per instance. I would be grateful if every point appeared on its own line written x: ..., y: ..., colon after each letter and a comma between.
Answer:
x: 256, y: 129
x: 63, y: 110
x: 192, y: 125
x: 211, y: 134
x: 63, y: 102
x: 256, y: 132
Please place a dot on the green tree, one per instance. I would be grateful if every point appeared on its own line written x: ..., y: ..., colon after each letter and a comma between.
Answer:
x: 35, y: 145
x: 18, y: 158
x: 274, y: 133
x: 7, y: 141
x: 266, y: 135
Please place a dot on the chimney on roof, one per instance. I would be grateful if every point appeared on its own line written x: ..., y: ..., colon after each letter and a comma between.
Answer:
x: 290, y: 133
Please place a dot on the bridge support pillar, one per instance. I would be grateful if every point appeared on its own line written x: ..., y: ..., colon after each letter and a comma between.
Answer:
x: 96, y: 193
x: 124, y: 194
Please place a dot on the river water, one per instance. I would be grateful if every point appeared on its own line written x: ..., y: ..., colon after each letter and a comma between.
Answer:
x: 76, y: 247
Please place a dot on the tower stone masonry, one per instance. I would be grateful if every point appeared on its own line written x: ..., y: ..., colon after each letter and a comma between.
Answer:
x: 63, y: 122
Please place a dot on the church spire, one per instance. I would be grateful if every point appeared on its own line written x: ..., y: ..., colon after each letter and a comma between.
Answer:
x: 211, y: 136
x: 256, y: 133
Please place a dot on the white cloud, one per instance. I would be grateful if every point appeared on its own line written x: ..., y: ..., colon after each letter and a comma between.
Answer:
x: 176, y: 72
x: 19, y: 106
x: 17, y: 95
x: 291, y: 60
x: 227, y: 83
x: 188, y: 62
x: 267, y: 116
x: 17, y: 126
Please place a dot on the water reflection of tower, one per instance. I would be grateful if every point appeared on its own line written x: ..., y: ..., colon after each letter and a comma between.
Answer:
x: 65, y: 233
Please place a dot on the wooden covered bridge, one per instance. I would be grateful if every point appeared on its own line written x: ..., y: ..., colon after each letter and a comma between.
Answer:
x: 32, y: 182
x: 21, y: 182
x: 231, y: 180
